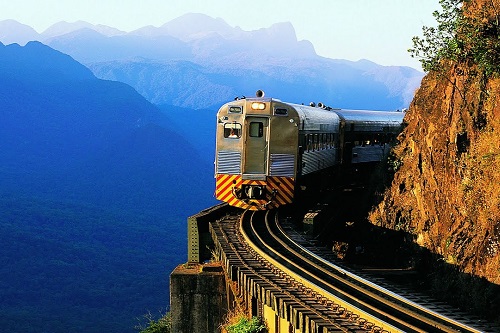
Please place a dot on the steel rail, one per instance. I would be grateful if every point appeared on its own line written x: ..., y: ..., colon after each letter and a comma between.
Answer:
x: 423, y: 319
x: 251, y: 267
x: 313, y: 285
x: 333, y: 323
x: 436, y: 320
x: 374, y: 309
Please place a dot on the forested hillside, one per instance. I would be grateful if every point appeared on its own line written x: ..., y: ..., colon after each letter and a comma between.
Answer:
x: 95, y: 187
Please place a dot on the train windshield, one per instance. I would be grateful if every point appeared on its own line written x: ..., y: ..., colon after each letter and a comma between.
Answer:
x: 232, y: 130
x: 256, y: 129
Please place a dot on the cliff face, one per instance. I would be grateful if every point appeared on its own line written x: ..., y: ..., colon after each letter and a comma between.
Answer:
x: 446, y: 191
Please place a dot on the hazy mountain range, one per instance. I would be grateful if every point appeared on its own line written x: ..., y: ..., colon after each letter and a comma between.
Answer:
x: 98, y: 172
x: 96, y: 184
x: 197, y: 62
x: 60, y: 121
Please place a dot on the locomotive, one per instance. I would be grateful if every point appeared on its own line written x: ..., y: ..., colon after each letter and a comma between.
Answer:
x: 266, y: 148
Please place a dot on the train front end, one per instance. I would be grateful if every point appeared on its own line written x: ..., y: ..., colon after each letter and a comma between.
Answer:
x: 256, y: 153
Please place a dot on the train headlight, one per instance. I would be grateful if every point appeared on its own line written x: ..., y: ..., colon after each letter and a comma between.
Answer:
x: 258, y: 106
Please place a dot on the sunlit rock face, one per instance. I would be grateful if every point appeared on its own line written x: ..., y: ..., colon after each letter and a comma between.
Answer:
x: 446, y: 192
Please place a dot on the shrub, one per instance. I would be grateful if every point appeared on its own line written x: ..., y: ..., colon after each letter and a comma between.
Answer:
x: 245, y: 325
x: 162, y: 325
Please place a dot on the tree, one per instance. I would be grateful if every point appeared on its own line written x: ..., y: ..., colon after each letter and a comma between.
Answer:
x: 462, y: 37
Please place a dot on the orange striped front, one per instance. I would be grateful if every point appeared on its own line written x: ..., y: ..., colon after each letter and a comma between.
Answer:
x: 279, y: 191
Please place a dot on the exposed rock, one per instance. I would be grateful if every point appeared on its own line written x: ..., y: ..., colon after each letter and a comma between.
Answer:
x: 446, y: 192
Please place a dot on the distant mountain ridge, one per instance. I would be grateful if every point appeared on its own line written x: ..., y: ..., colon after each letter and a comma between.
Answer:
x: 56, y: 115
x: 12, y: 31
x: 96, y: 181
x: 95, y: 186
x: 181, y: 28
x: 38, y: 62
x: 223, y: 62
x: 62, y: 28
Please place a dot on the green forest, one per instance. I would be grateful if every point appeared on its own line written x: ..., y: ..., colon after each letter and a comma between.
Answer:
x: 69, y: 267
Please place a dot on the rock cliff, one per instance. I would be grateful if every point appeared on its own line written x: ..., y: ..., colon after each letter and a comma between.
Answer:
x: 446, y: 190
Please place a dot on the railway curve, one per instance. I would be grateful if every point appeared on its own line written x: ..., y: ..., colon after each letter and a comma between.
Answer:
x: 270, y: 271
x: 360, y: 297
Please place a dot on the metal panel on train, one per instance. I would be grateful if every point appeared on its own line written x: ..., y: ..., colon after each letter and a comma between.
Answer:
x: 265, y: 147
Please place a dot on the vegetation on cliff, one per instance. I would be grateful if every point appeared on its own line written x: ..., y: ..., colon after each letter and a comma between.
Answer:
x: 162, y: 325
x: 468, y: 35
x: 238, y: 320
x: 245, y: 325
x: 446, y: 193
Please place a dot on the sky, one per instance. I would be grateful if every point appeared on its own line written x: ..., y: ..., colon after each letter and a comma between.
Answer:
x: 377, y: 30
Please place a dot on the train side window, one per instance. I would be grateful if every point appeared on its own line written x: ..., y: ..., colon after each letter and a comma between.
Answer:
x: 235, y: 109
x: 281, y: 112
x: 232, y: 130
x: 256, y: 129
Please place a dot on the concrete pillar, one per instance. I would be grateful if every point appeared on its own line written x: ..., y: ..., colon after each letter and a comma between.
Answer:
x: 198, y: 298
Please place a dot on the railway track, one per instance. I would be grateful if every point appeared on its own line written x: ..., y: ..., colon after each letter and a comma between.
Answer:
x: 378, y: 277
x: 296, y: 303
x: 308, y: 290
x: 368, y: 297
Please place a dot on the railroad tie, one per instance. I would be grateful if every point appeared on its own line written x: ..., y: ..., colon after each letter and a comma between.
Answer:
x: 285, y: 307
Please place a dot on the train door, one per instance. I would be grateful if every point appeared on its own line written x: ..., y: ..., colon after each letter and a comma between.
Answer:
x: 348, y: 136
x: 256, y: 145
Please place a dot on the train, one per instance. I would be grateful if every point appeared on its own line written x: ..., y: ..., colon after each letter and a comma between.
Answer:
x: 267, y: 148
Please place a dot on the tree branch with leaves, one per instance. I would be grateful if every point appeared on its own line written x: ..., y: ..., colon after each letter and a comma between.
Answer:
x: 461, y: 37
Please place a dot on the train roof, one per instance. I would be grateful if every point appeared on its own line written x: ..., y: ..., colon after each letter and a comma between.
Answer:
x: 370, y: 115
x: 314, y: 119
